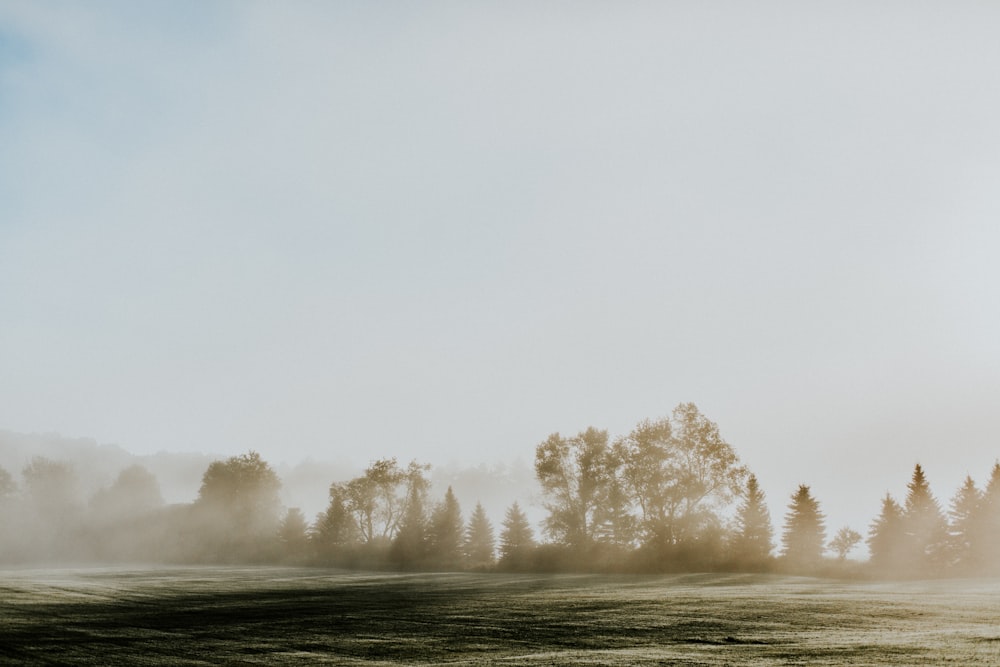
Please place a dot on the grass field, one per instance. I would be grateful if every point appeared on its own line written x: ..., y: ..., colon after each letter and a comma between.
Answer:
x: 199, y: 616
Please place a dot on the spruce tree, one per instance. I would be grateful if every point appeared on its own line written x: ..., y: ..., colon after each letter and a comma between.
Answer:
x: 886, y: 538
x: 925, y: 527
x: 517, y: 539
x: 805, y: 532
x: 754, y: 536
x: 966, y: 509
x: 987, y: 526
x: 480, y: 543
x: 292, y: 534
x: 445, y: 533
x: 409, y: 548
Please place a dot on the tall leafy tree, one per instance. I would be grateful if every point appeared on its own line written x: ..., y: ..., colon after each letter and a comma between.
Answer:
x: 575, y: 475
x: 238, y: 508
x: 517, y: 539
x: 805, y: 531
x: 679, y: 471
x: 924, y: 525
x: 8, y: 487
x: 446, y: 533
x: 754, y: 538
x: 378, y: 499
x: 887, y: 538
x: 480, y: 544
x: 51, y: 487
x: 135, y: 491
x: 964, y: 515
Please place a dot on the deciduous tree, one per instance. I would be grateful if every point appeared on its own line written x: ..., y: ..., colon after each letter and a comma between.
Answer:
x: 844, y: 542
x: 679, y: 471
x: 575, y: 475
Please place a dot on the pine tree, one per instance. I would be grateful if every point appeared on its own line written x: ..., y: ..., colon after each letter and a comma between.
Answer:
x: 925, y: 526
x: 886, y: 538
x: 966, y: 508
x: 517, y: 539
x: 445, y: 533
x: 754, y: 536
x: 409, y: 548
x: 480, y: 544
x: 987, y: 526
x: 292, y: 534
x: 335, y: 531
x: 805, y: 532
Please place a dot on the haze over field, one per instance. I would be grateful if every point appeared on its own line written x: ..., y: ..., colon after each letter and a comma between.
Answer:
x: 442, y: 232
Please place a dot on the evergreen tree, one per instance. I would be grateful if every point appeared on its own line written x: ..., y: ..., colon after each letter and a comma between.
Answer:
x: 409, y: 548
x: 445, y: 533
x: 479, y: 544
x: 886, y: 538
x: 517, y: 539
x: 986, y: 542
x: 335, y: 532
x: 292, y: 534
x: 805, y: 532
x: 924, y: 526
x: 754, y: 536
x: 962, y: 529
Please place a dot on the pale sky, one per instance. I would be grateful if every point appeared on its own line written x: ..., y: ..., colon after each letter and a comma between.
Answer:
x: 444, y: 231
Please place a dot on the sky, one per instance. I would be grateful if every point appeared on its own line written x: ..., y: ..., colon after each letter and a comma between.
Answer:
x: 444, y: 231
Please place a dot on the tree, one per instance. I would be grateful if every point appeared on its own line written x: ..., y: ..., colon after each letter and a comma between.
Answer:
x: 446, y: 533
x: 986, y: 539
x: 134, y: 492
x: 479, y: 543
x: 238, y: 508
x: 886, y: 538
x: 754, y: 536
x: 963, y: 533
x: 924, y: 526
x: 844, y: 542
x: 335, y: 532
x: 409, y: 547
x: 679, y: 472
x: 51, y: 487
x: 379, y: 498
x: 8, y: 487
x: 805, y: 533
x: 574, y: 474
x: 293, y: 534
x: 517, y: 539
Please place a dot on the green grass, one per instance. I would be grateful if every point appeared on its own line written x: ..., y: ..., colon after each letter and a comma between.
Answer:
x: 280, y: 615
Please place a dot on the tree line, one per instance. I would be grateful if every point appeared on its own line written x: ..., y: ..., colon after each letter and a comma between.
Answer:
x: 671, y: 495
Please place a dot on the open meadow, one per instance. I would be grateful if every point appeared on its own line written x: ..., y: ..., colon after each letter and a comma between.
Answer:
x: 199, y: 616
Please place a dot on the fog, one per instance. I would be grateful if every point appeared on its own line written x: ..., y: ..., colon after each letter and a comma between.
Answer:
x: 336, y: 234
